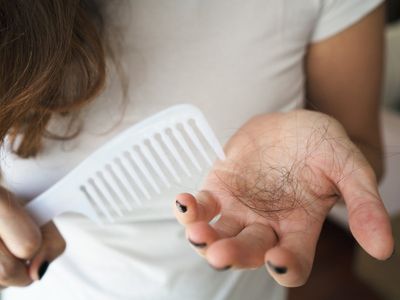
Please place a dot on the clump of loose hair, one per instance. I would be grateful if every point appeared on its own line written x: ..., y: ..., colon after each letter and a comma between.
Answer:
x: 271, y: 191
x: 274, y: 189
x: 52, y: 62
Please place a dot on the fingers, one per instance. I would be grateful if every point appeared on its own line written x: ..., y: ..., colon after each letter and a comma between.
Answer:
x: 53, y: 246
x: 18, y: 231
x: 290, y: 262
x: 227, y: 242
x: 368, y: 219
x: 20, y: 239
x: 25, y: 249
x: 287, y: 268
x: 200, y: 235
x: 16, y: 272
x: 245, y: 250
x: 189, y: 209
x: 13, y: 271
x: 196, y: 213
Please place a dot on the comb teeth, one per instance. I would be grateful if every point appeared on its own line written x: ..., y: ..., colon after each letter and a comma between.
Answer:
x: 197, y: 142
x: 118, y: 192
x: 182, y: 142
x: 164, y: 158
x: 172, y: 149
x: 119, y: 187
x: 131, y: 174
x: 155, y: 156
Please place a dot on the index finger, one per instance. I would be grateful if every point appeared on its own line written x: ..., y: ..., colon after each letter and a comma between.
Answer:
x: 18, y: 231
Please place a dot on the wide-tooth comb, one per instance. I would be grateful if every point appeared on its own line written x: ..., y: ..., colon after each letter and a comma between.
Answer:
x: 140, y: 163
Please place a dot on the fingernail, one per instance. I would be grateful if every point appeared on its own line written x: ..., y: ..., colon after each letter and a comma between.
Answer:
x: 182, y: 208
x: 277, y: 269
x: 221, y: 269
x: 43, y: 269
x: 198, y: 245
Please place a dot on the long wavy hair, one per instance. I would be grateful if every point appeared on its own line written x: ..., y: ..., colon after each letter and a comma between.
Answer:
x: 52, y: 62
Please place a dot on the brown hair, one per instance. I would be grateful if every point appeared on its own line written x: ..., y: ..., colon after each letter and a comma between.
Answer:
x: 52, y: 61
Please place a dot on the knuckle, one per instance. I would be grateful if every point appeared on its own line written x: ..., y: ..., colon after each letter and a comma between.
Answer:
x: 53, y: 241
x: 29, y: 246
x: 60, y: 247
x: 8, y: 270
x: 57, y: 247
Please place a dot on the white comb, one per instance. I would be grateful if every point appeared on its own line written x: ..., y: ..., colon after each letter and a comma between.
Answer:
x: 142, y: 162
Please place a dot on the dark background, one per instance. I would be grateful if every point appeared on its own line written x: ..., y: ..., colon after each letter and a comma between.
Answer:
x: 393, y: 10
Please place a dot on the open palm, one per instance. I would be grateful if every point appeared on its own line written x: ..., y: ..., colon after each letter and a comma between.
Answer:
x: 282, y: 175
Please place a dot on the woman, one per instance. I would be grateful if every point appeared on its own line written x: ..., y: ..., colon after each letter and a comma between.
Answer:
x: 234, y: 60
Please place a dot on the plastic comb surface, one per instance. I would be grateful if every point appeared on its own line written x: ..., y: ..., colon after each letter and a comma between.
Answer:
x: 138, y: 165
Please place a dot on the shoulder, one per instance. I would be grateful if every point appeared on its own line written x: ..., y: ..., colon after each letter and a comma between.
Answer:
x: 335, y: 16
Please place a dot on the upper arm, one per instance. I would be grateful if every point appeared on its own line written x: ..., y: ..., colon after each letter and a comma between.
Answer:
x: 344, y: 76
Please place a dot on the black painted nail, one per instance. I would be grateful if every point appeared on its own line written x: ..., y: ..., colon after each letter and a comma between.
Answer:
x: 43, y: 268
x: 277, y: 269
x: 222, y: 269
x: 182, y: 208
x: 198, y: 245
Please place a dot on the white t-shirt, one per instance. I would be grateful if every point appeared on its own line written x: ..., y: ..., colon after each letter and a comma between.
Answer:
x: 232, y: 59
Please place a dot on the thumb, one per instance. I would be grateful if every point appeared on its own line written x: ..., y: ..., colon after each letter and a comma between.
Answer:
x: 368, y: 219
x: 53, y: 246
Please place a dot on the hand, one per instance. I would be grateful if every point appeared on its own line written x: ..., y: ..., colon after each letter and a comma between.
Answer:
x: 282, y: 175
x: 25, y: 249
